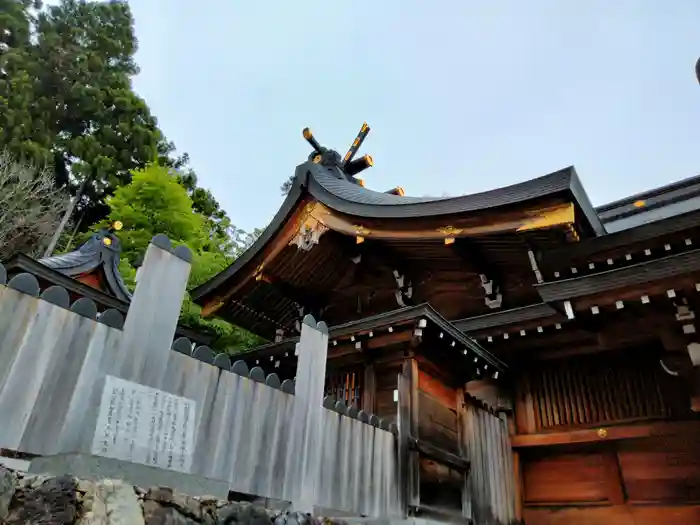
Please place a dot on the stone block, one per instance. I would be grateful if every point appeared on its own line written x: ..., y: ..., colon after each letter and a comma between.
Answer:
x: 94, y: 468
x: 109, y: 502
x: 8, y: 482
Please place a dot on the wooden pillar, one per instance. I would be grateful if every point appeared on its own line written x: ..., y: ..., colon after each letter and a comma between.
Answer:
x: 462, y: 443
x: 518, y: 492
x: 369, y: 389
x: 524, y: 406
x: 409, y: 481
x: 613, y: 476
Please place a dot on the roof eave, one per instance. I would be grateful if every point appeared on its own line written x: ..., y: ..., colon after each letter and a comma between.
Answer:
x: 424, y: 310
x: 564, y: 181
x: 203, y: 292
x: 593, y: 222
x: 512, y: 316
x: 25, y: 263
x: 690, y: 185
x: 637, y: 274
x: 619, y: 239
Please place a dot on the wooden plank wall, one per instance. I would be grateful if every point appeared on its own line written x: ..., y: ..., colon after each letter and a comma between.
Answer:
x: 440, y: 485
x: 437, y: 415
x: 639, y: 481
x: 53, y: 363
x: 491, y: 484
x: 647, y: 479
x: 580, y: 392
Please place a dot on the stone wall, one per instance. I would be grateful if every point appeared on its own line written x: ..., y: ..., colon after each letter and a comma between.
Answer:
x: 65, y: 500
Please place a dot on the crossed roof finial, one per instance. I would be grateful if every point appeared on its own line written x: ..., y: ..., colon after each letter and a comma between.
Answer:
x: 328, y: 157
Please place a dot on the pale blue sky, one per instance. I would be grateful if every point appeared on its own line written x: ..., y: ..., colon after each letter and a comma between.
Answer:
x: 462, y: 96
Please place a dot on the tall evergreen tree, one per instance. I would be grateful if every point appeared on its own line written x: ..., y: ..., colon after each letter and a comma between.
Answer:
x: 66, y: 100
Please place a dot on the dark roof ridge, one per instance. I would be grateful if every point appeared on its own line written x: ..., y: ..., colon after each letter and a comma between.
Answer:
x: 649, y: 194
x: 330, y: 187
x: 394, y: 316
x: 95, y: 252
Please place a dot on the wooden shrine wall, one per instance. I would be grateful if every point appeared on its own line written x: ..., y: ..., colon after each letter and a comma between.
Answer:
x: 440, y: 485
x: 437, y: 415
x: 642, y: 481
x: 385, y: 402
x: 645, y: 480
x: 592, y: 390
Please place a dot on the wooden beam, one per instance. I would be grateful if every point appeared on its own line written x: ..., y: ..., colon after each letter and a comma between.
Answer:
x: 439, y: 514
x: 478, y: 262
x: 604, y: 434
x: 613, y: 476
x: 519, y: 487
x: 311, y: 304
x: 257, y: 265
x: 406, y: 496
x: 369, y: 388
x: 410, y: 370
x: 372, y: 343
x: 463, y: 448
x: 474, y: 257
x: 567, y: 335
x: 437, y: 454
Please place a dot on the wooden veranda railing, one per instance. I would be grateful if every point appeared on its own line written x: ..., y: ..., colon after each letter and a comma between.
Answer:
x: 345, y: 386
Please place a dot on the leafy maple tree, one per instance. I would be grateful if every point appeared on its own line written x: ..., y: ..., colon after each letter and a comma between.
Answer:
x: 155, y: 202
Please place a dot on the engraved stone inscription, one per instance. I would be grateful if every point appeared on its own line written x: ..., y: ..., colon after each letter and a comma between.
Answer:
x: 145, y: 425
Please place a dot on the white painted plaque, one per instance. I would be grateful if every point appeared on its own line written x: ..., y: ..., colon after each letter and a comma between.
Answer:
x: 145, y: 425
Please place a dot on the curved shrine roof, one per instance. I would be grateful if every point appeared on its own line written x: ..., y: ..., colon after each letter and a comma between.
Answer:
x: 347, y: 197
x: 354, y: 204
x: 101, y: 251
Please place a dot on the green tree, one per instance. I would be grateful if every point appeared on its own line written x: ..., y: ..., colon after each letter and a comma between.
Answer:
x: 66, y: 97
x: 66, y: 100
x: 156, y: 202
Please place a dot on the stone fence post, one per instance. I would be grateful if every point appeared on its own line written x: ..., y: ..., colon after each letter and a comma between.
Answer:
x: 153, y: 314
x: 308, y: 411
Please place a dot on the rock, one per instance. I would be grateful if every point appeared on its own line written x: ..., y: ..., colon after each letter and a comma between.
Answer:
x: 208, y: 500
x: 94, y: 509
x: 85, y: 486
x: 242, y: 513
x: 167, y: 497
x: 155, y: 514
x: 296, y: 518
x: 329, y: 521
x: 111, y: 502
x: 54, y: 502
x: 8, y: 482
x: 33, y: 481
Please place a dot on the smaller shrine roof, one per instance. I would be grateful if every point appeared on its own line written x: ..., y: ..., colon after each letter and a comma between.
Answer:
x: 100, y: 252
x: 446, y: 339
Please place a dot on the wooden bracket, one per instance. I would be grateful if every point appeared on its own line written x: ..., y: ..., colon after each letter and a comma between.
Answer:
x: 478, y: 262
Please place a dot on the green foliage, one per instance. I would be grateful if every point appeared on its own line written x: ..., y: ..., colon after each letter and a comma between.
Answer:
x: 66, y: 101
x: 155, y: 202
x: 66, y: 97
